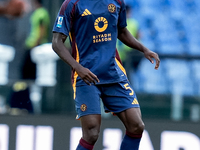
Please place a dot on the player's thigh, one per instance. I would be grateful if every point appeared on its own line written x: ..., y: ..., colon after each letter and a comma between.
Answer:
x: 87, y: 100
x: 118, y: 97
x: 132, y: 120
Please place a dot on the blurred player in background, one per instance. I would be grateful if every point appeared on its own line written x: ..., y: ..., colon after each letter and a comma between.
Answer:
x: 12, y: 8
x: 40, y: 22
x: 93, y: 28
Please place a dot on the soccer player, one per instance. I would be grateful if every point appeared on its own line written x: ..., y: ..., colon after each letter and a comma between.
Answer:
x: 93, y: 27
x: 40, y: 22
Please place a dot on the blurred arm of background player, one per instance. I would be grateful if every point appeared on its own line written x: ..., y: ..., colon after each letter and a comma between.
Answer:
x: 132, y: 24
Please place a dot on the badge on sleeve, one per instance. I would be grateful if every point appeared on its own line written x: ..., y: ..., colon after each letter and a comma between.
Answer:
x: 60, y: 21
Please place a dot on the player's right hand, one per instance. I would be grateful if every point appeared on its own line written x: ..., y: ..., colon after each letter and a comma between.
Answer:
x: 87, y: 76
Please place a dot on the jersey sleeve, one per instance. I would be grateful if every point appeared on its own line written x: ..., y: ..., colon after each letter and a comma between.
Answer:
x: 122, y: 16
x: 63, y: 20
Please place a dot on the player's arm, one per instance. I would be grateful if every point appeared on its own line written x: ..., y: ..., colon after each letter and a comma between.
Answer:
x: 127, y: 38
x: 58, y: 46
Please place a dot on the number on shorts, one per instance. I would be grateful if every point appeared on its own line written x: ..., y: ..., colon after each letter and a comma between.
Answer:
x: 128, y: 88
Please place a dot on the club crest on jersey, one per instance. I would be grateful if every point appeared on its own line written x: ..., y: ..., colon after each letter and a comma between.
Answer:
x: 60, y: 21
x: 83, y: 107
x: 111, y: 8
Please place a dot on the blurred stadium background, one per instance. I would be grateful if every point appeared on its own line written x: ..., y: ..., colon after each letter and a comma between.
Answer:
x: 169, y: 97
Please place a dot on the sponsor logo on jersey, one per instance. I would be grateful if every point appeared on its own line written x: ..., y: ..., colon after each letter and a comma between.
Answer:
x: 111, y: 8
x: 83, y: 107
x: 101, y: 24
x: 102, y: 38
x: 60, y: 21
x: 86, y: 13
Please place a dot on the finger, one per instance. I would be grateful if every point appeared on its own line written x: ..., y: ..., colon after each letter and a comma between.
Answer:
x: 150, y: 59
x: 87, y: 82
x: 90, y: 79
x: 95, y: 77
x: 157, y: 63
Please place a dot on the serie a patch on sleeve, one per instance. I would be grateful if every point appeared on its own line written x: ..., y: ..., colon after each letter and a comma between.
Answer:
x: 60, y: 21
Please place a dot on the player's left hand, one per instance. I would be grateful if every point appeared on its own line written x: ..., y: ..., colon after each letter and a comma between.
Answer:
x: 150, y: 55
